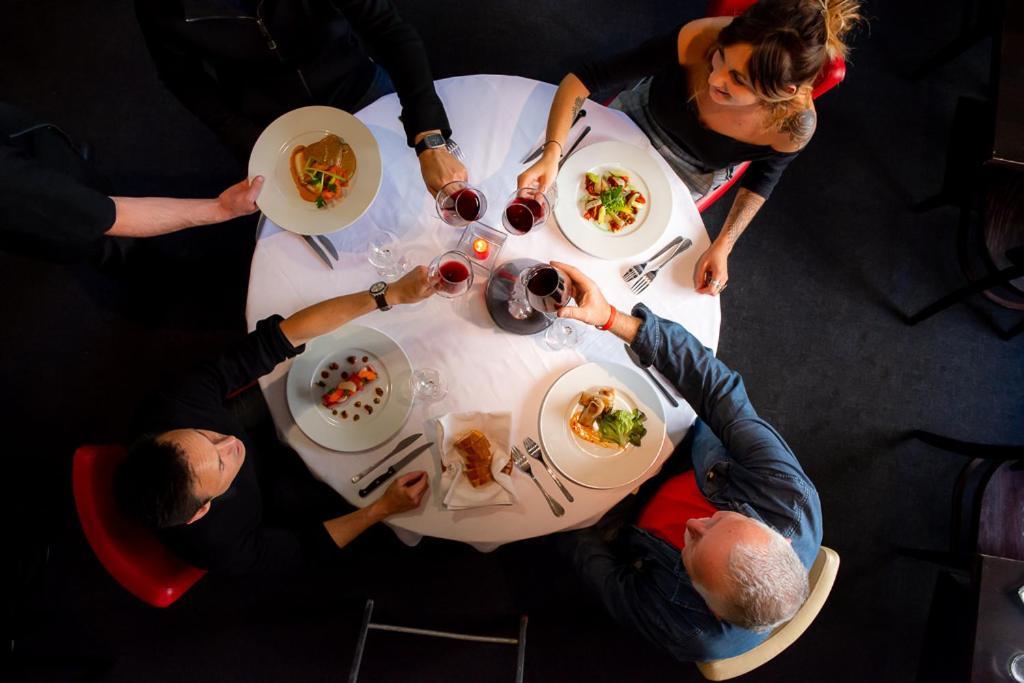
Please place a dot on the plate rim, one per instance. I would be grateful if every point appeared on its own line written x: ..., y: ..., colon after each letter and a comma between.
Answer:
x: 292, y: 387
x: 371, y: 169
x: 657, y: 402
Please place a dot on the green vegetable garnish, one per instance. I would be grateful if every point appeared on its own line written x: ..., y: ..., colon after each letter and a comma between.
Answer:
x: 622, y: 426
x: 320, y: 203
x: 613, y: 200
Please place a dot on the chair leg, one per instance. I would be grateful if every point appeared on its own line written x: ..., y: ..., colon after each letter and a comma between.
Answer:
x: 987, y: 282
x: 521, y: 654
x: 357, y: 660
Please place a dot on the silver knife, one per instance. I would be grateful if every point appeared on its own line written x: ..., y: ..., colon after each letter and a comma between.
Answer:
x: 393, y: 470
x: 319, y: 252
x: 585, y: 133
x: 537, y: 152
x: 402, y: 445
x: 636, y: 361
x: 328, y: 245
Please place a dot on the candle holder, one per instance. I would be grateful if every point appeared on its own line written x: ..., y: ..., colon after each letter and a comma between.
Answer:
x: 481, y: 245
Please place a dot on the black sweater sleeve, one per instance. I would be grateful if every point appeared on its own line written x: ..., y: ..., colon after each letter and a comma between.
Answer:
x: 626, y: 68
x: 762, y: 175
x: 400, y: 51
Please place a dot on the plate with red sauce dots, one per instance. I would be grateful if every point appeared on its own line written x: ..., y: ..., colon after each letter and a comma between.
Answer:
x: 346, y: 390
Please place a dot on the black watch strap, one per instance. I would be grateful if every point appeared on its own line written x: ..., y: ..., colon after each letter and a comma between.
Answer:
x: 379, y: 290
x: 432, y: 141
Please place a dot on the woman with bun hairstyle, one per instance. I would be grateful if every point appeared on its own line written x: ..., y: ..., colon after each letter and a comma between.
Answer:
x: 714, y: 93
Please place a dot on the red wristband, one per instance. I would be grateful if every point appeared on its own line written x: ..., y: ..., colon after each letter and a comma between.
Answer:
x: 611, y: 320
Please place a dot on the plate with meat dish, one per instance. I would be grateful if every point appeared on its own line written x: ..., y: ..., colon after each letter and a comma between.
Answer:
x: 346, y: 390
x: 614, y: 200
x: 322, y: 168
x: 602, y: 424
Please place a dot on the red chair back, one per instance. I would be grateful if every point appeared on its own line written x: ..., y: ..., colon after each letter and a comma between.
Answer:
x: 128, y: 551
x: 831, y: 76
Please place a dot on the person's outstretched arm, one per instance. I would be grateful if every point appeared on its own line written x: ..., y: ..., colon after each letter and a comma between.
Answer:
x: 152, y: 216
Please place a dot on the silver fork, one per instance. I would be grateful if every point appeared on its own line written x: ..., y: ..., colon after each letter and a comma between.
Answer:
x: 521, y: 462
x: 644, y: 281
x: 534, y: 450
x: 634, y: 272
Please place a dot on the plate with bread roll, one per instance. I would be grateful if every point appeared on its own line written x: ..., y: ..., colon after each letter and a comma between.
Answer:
x: 322, y: 168
x: 602, y: 425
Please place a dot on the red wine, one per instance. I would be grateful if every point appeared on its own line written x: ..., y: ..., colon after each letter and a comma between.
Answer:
x: 543, y: 282
x: 453, y: 271
x: 519, y: 216
x: 467, y: 204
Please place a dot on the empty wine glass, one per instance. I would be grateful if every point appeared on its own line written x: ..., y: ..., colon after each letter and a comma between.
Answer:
x: 451, y: 274
x: 427, y: 384
x: 527, y: 208
x: 563, y: 334
x: 459, y: 203
x: 383, y: 253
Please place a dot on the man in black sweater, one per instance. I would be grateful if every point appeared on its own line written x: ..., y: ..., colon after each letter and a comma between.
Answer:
x: 201, y: 481
x: 240, y: 64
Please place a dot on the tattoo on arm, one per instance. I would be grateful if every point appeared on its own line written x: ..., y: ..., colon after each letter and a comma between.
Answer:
x: 576, y: 106
x: 800, y: 126
x: 743, y: 210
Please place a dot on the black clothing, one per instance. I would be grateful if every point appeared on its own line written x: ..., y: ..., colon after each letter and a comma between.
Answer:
x: 673, y: 109
x: 239, y: 65
x: 234, y: 536
x: 50, y: 206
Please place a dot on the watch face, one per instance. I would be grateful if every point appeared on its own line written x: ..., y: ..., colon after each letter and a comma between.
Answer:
x: 378, y: 288
x: 434, y: 140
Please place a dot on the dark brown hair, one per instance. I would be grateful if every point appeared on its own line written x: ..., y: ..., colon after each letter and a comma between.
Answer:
x: 792, y: 39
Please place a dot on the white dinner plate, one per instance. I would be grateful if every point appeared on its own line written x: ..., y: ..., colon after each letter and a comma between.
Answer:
x: 644, y: 173
x: 336, y: 427
x: 589, y: 464
x: 271, y: 158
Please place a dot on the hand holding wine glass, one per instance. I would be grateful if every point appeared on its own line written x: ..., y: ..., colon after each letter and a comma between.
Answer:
x: 414, y: 286
x: 451, y: 274
x: 591, y: 306
x: 459, y: 203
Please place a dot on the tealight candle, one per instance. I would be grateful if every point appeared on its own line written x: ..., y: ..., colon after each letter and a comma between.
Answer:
x: 481, y: 248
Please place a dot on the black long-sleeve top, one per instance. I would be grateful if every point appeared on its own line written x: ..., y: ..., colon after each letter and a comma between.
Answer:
x: 239, y: 64
x: 675, y: 111
x: 232, y: 537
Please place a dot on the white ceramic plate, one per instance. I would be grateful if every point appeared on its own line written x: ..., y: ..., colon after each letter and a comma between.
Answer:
x: 336, y: 427
x: 644, y: 173
x: 589, y: 464
x: 271, y: 158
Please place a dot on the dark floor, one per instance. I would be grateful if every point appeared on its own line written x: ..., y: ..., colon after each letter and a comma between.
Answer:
x: 808, y: 319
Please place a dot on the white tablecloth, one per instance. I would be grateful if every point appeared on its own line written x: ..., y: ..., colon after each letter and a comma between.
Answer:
x: 496, y: 119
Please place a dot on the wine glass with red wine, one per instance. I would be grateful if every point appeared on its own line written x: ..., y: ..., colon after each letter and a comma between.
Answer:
x: 451, y: 273
x: 527, y: 208
x: 547, y: 290
x: 459, y: 203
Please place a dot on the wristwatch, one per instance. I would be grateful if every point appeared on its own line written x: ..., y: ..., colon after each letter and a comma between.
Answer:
x: 377, y: 291
x: 431, y: 141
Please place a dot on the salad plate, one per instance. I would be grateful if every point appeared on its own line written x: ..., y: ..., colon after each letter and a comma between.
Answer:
x: 614, y: 200
x: 344, y: 158
x: 347, y: 390
x: 633, y: 432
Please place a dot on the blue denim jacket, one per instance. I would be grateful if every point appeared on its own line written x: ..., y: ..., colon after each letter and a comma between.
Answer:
x: 741, y: 464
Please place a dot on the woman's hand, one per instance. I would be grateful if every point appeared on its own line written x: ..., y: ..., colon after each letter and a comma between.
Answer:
x: 712, y: 271
x: 541, y: 174
x: 404, y: 494
x: 591, y: 306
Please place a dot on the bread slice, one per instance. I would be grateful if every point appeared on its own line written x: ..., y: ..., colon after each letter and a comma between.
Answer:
x: 475, y: 450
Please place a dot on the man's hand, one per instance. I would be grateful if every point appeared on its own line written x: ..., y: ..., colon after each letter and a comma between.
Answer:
x: 439, y: 168
x: 591, y: 306
x: 240, y: 198
x: 711, y: 273
x: 414, y: 286
x: 541, y: 174
x: 404, y: 493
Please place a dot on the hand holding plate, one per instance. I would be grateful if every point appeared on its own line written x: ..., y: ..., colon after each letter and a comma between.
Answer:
x: 240, y: 198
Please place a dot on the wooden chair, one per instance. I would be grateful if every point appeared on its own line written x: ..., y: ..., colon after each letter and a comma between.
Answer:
x: 822, y: 576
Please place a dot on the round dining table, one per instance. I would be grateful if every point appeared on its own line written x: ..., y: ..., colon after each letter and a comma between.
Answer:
x: 496, y: 120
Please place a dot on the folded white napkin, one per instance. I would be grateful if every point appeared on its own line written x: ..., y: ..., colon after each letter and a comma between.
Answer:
x: 459, y: 493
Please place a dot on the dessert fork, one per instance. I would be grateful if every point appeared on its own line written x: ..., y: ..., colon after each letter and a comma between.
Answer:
x: 523, y: 465
x: 644, y: 281
x: 534, y: 450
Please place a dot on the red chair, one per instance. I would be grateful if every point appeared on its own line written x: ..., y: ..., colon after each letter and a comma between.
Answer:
x: 831, y: 76
x: 129, y: 552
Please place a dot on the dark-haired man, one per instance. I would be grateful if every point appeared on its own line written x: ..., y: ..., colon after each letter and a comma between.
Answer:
x: 201, y: 481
